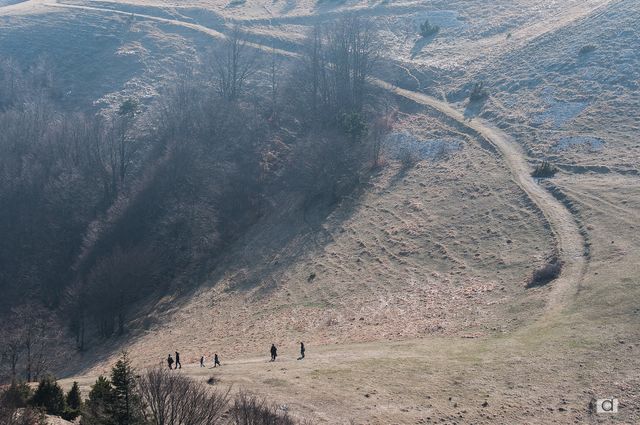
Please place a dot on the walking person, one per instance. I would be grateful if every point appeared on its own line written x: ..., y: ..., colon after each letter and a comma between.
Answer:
x: 178, y: 365
x: 170, y: 361
x: 201, y: 361
x: 274, y: 352
x: 301, y: 351
x: 216, y: 360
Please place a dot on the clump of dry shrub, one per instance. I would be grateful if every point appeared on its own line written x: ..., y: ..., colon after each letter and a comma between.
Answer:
x: 545, y: 274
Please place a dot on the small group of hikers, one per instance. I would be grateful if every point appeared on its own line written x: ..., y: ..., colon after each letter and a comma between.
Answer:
x: 274, y: 352
x: 177, y: 361
x: 170, y: 361
x: 216, y: 359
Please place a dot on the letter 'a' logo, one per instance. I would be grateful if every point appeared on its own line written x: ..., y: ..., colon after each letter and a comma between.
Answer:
x: 607, y: 405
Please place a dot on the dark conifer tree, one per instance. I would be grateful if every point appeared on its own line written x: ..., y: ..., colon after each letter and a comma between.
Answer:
x: 127, y: 406
x: 98, y: 408
x: 49, y: 396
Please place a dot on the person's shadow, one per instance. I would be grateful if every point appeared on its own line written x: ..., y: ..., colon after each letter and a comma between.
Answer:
x: 420, y: 43
x: 474, y: 108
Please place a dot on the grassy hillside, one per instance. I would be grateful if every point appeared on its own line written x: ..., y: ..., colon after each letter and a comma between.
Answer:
x: 409, y: 289
x: 415, y: 255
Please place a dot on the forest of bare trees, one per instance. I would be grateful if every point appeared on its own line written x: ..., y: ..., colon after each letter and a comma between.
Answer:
x: 103, y: 212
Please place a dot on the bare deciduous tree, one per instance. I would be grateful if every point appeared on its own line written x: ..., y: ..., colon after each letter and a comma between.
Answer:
x: 26, y: 337
x: 274, y: 82
x: 177, y: 400
x: 337, y: 60
x: 34, y: 337
x: 12, y: 349
x: 248, y: 409
x: 234, y: 63
x: 126, y: 143
x: 352, y: 52
x: 121, y: 146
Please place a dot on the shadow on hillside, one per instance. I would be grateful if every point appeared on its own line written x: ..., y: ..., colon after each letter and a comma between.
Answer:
x: 420, y: 44
x: 398, y: 177
x: 473, y: 109
x: 260, y: 259
x: 291, y: 231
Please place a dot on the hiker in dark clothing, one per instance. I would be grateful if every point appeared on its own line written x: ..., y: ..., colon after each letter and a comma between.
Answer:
x: 201, y: 361
x: 216, y: 360
x: 301, y: 351
x: 274, y: 352
x: 178, y: 365
x: 170, y: 361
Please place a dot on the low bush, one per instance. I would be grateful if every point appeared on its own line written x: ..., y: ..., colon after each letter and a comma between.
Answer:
x: 545, y: 169
x: 587, y: 49
x: 479, y: 92
x: 427, y: 29
x: 354, y: 126
x: 17, y: 395
x: 249, y: 410
x: 167, y: 395
x: 408, y: 158
x: 14, y: 416
x: 545, y: 274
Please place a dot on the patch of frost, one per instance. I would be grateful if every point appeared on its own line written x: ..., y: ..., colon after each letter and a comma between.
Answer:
x: 397, y: 144
x: 592, y: 143
x: 559, y: 113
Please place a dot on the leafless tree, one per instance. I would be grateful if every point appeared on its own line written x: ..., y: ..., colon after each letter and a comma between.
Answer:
x: 115, y: 282
x: 248, y: 409
x: 26, y: 337
x: 34, y: 338
x: 311, y: 82
x: 12, y: 349
x: 127, y: 146
x: 234, y: 63
x: 352, y: 51
x: 274, y: 71
x: 177, y: 400
x: 336, y: 62
x: 76, y: 310
x: 121, y: 144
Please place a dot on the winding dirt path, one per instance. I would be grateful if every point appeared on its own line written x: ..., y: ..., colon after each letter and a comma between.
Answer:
x: 23, y: 7
x: 570, y: 243
x: 196, y: 27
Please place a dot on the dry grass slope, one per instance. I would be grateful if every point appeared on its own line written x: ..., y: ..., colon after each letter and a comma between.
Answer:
x: 411, y: 297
